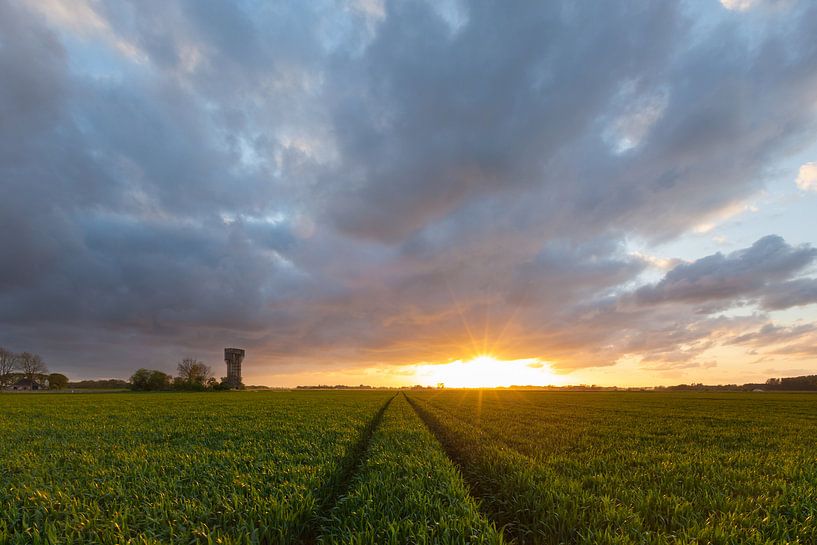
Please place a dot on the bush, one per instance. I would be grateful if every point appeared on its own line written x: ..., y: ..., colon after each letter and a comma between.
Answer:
x: 149, y: 380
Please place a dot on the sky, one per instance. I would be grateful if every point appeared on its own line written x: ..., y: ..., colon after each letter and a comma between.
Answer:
x: 367, y: 191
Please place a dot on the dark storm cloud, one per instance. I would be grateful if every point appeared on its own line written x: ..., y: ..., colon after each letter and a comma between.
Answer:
x: 332, y: 182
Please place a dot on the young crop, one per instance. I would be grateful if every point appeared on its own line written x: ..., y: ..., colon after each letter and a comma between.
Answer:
x: 406, y: 491
x: 636, y: 468
x: 347, y: 467
x: 233, y: 469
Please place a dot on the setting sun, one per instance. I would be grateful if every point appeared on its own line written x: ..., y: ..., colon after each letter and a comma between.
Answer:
x: 485, y: 371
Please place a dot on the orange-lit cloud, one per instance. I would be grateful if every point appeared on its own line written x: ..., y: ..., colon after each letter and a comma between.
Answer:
x: 807, y: 177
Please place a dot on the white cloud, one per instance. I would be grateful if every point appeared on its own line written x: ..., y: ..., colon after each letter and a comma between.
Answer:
x: 738, y: 5
x: 371, y: 8
x: 724, y: 214
x: 807, y: 177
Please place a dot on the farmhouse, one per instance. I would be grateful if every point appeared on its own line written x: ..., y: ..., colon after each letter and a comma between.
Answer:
x: 25, y: 384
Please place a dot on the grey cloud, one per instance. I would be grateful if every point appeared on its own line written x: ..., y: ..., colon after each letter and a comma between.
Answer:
x: 728, y: 277
x: 802, y: 291
x: 430, y: 120
x: 774, y: 340
x: 563, y: 272
x: 774, y: 334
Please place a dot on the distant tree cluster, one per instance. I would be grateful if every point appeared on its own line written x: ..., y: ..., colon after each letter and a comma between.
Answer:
x: 701, y: 387
x: 192, y: 375
x: 57, y: 381
x: 804, y: 383
x: 102, y: 384
x: 30, y: 368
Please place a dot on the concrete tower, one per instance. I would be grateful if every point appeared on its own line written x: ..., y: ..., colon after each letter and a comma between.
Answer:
x: 233, y: 358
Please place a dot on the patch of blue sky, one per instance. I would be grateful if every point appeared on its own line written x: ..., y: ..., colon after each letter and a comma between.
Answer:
x: 781, y: 208
x: 94, y: 58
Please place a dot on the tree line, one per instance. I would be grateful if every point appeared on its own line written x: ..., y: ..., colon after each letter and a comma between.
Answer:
x: 805, y: 383
x: 192, y: 375
x: 25, y: 365
x: 802, y: 383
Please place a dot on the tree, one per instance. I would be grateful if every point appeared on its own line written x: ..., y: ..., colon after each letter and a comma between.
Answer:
x: 149, y: 380
x: 219, y: 384
x: 57, y: 381
x: 32, y: 365
x: 193, y: 373
x: 159, y: 381
x: 8, y: 363
x: 140, y: 379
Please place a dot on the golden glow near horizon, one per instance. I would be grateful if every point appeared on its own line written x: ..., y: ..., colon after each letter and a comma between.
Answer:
x: 487, y: 372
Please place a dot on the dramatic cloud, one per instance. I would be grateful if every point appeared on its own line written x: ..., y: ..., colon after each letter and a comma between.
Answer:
x: 384, y: 183
x: 740, y: 274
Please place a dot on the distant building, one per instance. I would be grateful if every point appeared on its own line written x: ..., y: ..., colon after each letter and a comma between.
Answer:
x: 233, y: 358
x: 25, y: 384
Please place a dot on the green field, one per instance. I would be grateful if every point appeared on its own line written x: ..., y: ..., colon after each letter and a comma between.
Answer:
x: 415, y: 467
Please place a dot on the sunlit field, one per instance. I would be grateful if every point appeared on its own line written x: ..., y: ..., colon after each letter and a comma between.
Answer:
x: 478, y: 466
x: 636, y: 467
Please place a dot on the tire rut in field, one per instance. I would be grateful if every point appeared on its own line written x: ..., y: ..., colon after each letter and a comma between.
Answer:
x: 476, y: 491
x: 340, y: 483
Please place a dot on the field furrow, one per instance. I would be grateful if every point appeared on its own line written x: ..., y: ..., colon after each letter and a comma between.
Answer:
x: 342, y: 478
x: 406, y: 491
